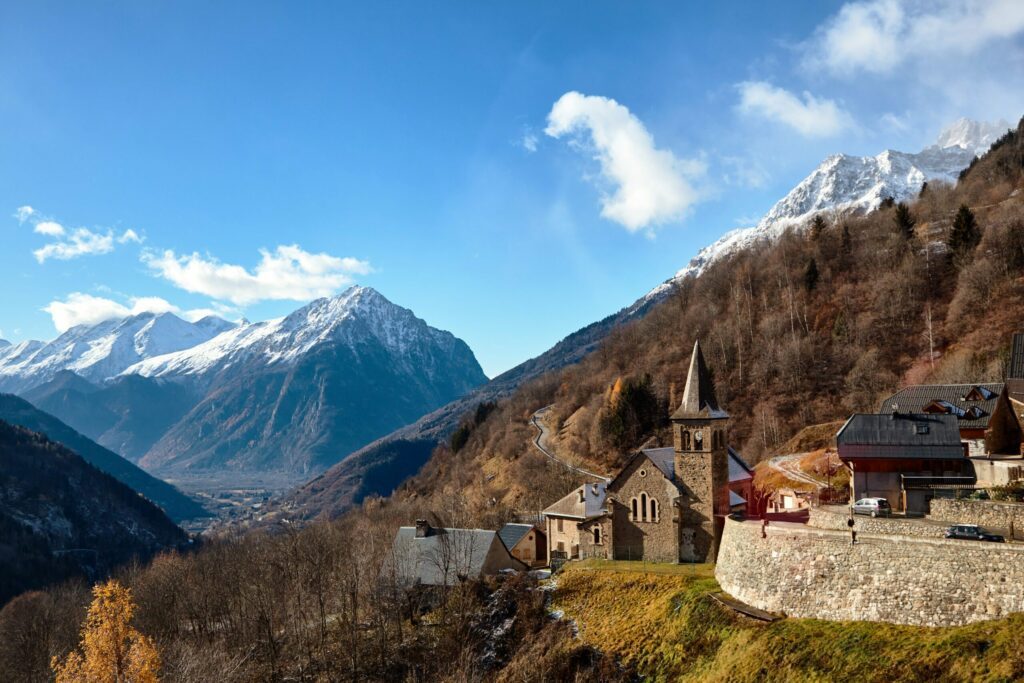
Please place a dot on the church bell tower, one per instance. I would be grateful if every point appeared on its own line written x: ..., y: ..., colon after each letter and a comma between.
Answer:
x: 700, y: 434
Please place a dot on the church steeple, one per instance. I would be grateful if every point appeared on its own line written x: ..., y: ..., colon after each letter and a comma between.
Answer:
x: 699, y: 399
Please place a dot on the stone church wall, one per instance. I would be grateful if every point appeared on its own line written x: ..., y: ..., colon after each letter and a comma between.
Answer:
x: 805, y: 572
x: 654, y: 541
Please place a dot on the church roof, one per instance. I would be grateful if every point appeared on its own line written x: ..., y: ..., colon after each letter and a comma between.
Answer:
x: 699, y: 399
x: 664, y: 459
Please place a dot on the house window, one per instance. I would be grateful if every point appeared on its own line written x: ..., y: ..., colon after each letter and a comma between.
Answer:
x: 643, y: 507
x: 561, y: 546
x: 581, y: 495
x: 559, y: 527
x: 633, y: 516
x: 597, y: 535
x: 654, y: 510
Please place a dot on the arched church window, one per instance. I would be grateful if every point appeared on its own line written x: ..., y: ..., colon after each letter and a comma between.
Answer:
x: 654, y: 510
x: 633, y: 517
x: 685, y: 438
x: 597, y: 535
x: 643, y: 507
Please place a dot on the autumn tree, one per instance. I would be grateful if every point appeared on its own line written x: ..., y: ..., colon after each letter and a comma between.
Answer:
x: 111, y: 650
x: 817, y: 227
x: 811, y: 275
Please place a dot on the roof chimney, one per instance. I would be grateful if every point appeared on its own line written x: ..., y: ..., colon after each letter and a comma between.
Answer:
x: 422, y: 528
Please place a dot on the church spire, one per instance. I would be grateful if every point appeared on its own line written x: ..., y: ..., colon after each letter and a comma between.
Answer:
x: 699, y: 395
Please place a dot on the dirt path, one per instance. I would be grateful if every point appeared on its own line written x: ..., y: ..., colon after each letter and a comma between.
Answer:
x: 789, y: 466
x: 541, y: 442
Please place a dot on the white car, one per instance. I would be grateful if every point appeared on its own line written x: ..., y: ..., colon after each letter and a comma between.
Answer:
x: 876, y: 507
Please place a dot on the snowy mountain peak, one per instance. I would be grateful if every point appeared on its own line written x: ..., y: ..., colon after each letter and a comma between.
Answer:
x: 970, y: 135
x: 844, y: 184
x: 99, y: 351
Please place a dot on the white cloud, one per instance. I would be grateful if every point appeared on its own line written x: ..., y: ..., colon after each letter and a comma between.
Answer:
x: 287, y: 273
x: 810, y: 116
x: 649, y: 186
x: 85, y: 309
x: 529, y: 141
x: 49, y: 228
x: 71, y: 244
x: 880, y: 36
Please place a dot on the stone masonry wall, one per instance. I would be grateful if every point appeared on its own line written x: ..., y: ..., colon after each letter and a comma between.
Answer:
x: 997, y: 517
x: 826, y: 518
x: 805, y: 572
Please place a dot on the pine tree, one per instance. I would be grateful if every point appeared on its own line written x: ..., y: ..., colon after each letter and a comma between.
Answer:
x: 904, y: 221
x: 817, y: 227
x: 965, y: 235
x: 846, y: 242
x: 111, y: 651
x: 811, y: 275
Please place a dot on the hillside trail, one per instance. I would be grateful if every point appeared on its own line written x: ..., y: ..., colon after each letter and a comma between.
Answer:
x: 789, y: 466
x: 541, y: 441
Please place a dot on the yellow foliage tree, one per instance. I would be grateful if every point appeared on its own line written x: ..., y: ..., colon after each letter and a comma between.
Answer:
x: 616, y: 393
x: 111, y: 651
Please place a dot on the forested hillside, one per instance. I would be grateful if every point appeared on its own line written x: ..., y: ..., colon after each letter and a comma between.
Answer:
x: 804, y: 330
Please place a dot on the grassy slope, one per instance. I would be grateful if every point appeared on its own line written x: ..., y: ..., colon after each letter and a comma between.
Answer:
x: 666, y: 626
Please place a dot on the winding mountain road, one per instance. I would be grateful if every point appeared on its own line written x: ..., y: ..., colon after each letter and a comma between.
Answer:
x: 540, y: 441
x: 789, y: 466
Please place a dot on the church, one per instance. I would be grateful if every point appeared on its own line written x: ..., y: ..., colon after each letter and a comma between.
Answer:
x: 667, y: 504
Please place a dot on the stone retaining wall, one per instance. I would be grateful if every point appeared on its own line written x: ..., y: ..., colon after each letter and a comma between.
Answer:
x: 997, y: 517
x: 806, y: 572
x: 824, y: 518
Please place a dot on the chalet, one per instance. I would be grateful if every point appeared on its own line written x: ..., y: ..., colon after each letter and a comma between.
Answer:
x: 666, y: 504
x: 907, y: 458
x: 984, y: 415
x: 526, y: 542
x: 429, y: 556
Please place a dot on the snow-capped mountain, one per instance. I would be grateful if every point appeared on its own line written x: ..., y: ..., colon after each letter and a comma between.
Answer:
x: 357, y: 315
x: 850, y: 184
x: 98, y: 352
x: 285, y: 397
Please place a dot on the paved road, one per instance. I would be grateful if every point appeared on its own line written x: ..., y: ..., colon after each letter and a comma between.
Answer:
x: 541, y: 440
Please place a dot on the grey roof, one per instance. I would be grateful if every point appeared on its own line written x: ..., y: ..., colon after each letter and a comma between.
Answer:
x: 1016, y: 370
x: 510, y: 534
x: 948, y: 398
x: 664, y: 458
x: 900, y: 435
x: 451, y: 554
x: 736, y: 499
x: 569, y: 505
x: 699, y: 395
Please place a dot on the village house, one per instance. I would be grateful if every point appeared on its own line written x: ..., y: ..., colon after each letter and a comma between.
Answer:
x: 1015, y: 375
x: 430, y: 556
x: 666, y: 504
x: 906, y: 458
x: 526, y: 542
x: 987, y: 422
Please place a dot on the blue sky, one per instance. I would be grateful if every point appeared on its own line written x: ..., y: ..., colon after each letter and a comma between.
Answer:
x: 510, y: 172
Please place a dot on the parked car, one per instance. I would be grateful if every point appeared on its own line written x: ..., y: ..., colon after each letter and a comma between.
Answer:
x: 876, y: 507
x: 972, y: 532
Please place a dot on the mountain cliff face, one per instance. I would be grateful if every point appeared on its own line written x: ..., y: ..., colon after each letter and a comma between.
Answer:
x: 19, y: 412
x: 293, y: 395
x: 61, y: 517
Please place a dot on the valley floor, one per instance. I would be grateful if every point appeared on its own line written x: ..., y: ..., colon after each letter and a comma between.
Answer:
x: 662, y: 621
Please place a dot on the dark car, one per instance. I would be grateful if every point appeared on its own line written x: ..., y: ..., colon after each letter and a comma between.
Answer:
x: 972, y: 532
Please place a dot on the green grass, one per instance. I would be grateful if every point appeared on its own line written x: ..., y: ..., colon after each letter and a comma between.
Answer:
x: 703, y: 571
x: 665, y: 625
